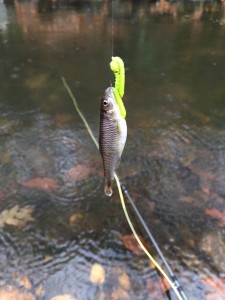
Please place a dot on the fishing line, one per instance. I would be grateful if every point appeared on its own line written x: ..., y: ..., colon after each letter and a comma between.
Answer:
x: 79, y: 112
x: 173, y: 283
x: 112, y: 26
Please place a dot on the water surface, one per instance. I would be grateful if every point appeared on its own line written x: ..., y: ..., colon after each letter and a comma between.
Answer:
x: 55, y: 221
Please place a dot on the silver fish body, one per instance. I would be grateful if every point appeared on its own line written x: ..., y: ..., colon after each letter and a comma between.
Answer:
x: 112, y: 137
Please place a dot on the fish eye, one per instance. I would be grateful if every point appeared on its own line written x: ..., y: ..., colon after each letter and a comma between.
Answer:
x: 105, y: 102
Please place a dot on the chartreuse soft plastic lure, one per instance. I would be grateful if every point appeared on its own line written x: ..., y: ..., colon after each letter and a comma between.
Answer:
x: 117, y: 66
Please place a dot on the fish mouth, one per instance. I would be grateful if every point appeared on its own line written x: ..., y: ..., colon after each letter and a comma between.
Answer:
x: 109, y: 92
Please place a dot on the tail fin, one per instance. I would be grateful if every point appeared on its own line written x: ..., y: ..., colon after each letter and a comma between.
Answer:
x: 108, y: 188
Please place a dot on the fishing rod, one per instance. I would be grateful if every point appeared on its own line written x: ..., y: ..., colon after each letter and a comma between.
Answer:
x: 151, y: 237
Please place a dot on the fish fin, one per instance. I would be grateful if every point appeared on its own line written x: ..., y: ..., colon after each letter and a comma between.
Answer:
x: 108, y: 188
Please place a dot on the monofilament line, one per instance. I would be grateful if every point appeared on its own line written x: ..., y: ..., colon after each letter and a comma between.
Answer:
x: 112, y: 26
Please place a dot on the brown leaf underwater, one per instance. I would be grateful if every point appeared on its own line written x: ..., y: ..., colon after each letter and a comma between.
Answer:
x: 132, y: 244
x: 13, y: 293
x: 216, y: 288
x: 63, y: 297
x: 79, y: 172
x: 45, y: 184
x: 16, y: 216
x: 216, y: 214
x: 157, y: 287
x: 97, y: 274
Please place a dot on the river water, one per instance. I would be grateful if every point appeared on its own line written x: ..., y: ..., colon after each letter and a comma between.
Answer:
x: 55, y: 221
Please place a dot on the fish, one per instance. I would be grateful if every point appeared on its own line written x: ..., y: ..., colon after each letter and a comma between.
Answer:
x: 112, y: 137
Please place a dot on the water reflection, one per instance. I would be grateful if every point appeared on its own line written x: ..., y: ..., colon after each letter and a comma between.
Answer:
x: 54, y: 221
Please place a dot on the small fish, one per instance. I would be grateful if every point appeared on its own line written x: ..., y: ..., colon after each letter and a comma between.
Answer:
x: 112, y: 137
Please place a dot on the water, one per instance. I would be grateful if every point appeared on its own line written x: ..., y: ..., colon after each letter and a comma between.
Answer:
x: 55, y: 221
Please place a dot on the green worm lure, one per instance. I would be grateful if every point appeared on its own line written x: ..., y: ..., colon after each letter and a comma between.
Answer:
x: 117, y: 66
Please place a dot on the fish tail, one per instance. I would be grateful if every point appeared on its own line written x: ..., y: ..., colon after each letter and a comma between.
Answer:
x: 108, y: 188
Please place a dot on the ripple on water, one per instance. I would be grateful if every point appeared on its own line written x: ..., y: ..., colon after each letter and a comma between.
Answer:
x: 59, y: 250
x: 42, y: 151
x: 64, y: 266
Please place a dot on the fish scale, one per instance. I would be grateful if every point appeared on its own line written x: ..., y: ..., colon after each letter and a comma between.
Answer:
x: 112, y: 137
